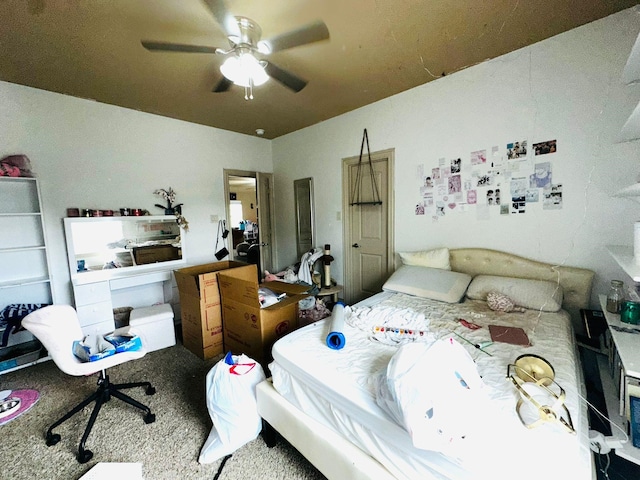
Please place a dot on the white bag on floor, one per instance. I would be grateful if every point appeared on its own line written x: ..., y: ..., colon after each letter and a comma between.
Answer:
x: 231, y: 401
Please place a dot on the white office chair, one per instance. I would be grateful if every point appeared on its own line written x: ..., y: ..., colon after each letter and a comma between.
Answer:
x: 57, y: 327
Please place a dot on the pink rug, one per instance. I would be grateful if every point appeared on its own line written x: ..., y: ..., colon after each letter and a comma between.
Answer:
x: 26, y: 399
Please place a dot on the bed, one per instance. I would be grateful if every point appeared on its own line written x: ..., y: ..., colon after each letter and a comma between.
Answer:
x: 323, y: 401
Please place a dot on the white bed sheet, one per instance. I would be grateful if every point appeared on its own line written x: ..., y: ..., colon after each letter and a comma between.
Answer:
x: 336, y: 387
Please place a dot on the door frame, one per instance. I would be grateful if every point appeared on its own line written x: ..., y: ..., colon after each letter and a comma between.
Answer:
x: 227, y: 203
x: 226, y: 173
x: 389, y: 155
x: 270, y: 218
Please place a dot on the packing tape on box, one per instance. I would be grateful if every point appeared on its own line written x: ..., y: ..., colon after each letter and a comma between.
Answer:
x: 335, y: 339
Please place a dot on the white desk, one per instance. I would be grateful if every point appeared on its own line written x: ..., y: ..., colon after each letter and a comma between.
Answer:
x: 627, y: 344
x: 628, y: 347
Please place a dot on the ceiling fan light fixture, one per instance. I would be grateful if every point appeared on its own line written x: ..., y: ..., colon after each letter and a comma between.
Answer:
x: 244, y: 70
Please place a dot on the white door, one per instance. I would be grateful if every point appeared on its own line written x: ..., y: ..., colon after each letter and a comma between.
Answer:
x: 265, y: 220
x: 368, y: 228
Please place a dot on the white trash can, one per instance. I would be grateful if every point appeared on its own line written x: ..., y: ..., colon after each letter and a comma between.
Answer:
x: 154, y: 325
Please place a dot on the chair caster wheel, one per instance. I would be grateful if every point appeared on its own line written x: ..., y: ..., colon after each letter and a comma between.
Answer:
x: 84, y: 456
x: 52, y: 439
x: 149, y: 418
x: 151, y: 390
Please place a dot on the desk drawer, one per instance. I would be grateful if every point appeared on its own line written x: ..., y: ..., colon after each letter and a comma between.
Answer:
x: 92, y: 293
x: 95, y: 313
x: 98, y: 328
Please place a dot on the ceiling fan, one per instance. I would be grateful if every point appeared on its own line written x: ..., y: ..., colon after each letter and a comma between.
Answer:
x: 244, y: 65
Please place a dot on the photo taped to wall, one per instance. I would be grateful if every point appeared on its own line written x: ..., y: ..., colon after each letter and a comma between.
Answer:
x: 544, y: 148
x: 516, y: 150
x: 478, y: 157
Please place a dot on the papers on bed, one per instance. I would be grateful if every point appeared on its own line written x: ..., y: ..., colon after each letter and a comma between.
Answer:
x: 512, y: 335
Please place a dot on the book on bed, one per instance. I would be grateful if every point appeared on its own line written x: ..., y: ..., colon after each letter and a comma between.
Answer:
x: 512, y: 335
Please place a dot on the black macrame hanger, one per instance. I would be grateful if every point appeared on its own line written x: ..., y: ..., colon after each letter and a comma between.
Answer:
x: 355, y: 194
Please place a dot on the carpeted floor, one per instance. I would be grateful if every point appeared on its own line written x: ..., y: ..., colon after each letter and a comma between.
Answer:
x: 168, y: 449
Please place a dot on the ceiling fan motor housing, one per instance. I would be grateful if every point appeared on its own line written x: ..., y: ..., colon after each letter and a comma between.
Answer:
x: 249, y: 34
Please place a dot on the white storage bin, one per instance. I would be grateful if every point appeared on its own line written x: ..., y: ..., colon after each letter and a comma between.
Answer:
x: 154, y: 325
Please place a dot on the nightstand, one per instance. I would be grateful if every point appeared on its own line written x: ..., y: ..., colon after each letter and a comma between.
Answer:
x: 334, y: 291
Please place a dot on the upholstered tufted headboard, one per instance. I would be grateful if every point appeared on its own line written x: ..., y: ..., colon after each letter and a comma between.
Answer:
x: 575, y: 282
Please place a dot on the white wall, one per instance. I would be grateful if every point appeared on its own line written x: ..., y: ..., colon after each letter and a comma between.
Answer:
x: 92, y: 155
x: 566, y: 88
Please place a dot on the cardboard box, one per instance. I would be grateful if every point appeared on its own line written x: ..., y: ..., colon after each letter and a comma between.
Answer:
x: 248, y: 328
x: 201, y: 311
x: 285, y: 287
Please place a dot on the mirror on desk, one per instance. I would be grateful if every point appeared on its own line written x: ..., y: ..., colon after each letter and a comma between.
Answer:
x: 122, y: 244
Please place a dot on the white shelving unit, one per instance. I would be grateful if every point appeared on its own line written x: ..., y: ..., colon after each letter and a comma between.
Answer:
x: 623, y: 255
x: 24, y: 275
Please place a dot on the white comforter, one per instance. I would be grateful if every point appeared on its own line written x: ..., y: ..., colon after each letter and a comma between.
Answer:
x: 337, y: 387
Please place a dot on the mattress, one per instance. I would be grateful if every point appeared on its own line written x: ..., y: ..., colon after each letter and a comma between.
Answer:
x: 337, y: 388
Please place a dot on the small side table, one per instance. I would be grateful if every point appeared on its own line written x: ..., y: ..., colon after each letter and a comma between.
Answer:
x: 334, y: 291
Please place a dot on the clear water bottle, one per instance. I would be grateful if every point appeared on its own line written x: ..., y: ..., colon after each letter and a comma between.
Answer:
x: 616, y: 296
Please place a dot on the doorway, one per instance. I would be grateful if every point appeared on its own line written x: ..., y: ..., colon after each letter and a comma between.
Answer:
x: 249, y: 213
x: 368, y: 228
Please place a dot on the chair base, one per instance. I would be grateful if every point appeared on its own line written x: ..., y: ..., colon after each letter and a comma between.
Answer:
x: 103, y: 394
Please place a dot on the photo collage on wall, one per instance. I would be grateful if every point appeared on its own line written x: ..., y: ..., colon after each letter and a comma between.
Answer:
x: 500, y: 181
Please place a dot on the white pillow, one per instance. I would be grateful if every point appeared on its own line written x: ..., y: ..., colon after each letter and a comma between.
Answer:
x: 436, y: 258
x: 434, y: 283
x: 532, y: 294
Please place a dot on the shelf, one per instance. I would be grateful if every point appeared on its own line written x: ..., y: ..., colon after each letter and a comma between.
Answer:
x: 29, y: 364
x: 631, y: 72
x: 624, y: 256
x: 25, y: 274
x: 630, y: 191
x: 25, y: 281
x: 22, y: 249
x: 17, y: 179
x: 20, y: 214
x: 631, y: 129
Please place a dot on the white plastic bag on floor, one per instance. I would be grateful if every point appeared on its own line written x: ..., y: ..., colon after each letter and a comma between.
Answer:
x: 231, y: 401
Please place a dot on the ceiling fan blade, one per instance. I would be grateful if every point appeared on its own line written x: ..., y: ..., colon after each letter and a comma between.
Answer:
x: 285, y: 77
x: 223, y: 85
x: 223, y: 17
x: 176, y: 47
x: 311, y: 33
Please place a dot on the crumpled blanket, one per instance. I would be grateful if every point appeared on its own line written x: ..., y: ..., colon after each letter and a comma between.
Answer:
x: 11, y: 317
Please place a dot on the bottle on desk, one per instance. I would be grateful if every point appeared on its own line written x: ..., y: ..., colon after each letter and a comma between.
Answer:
x: 616, y: 296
